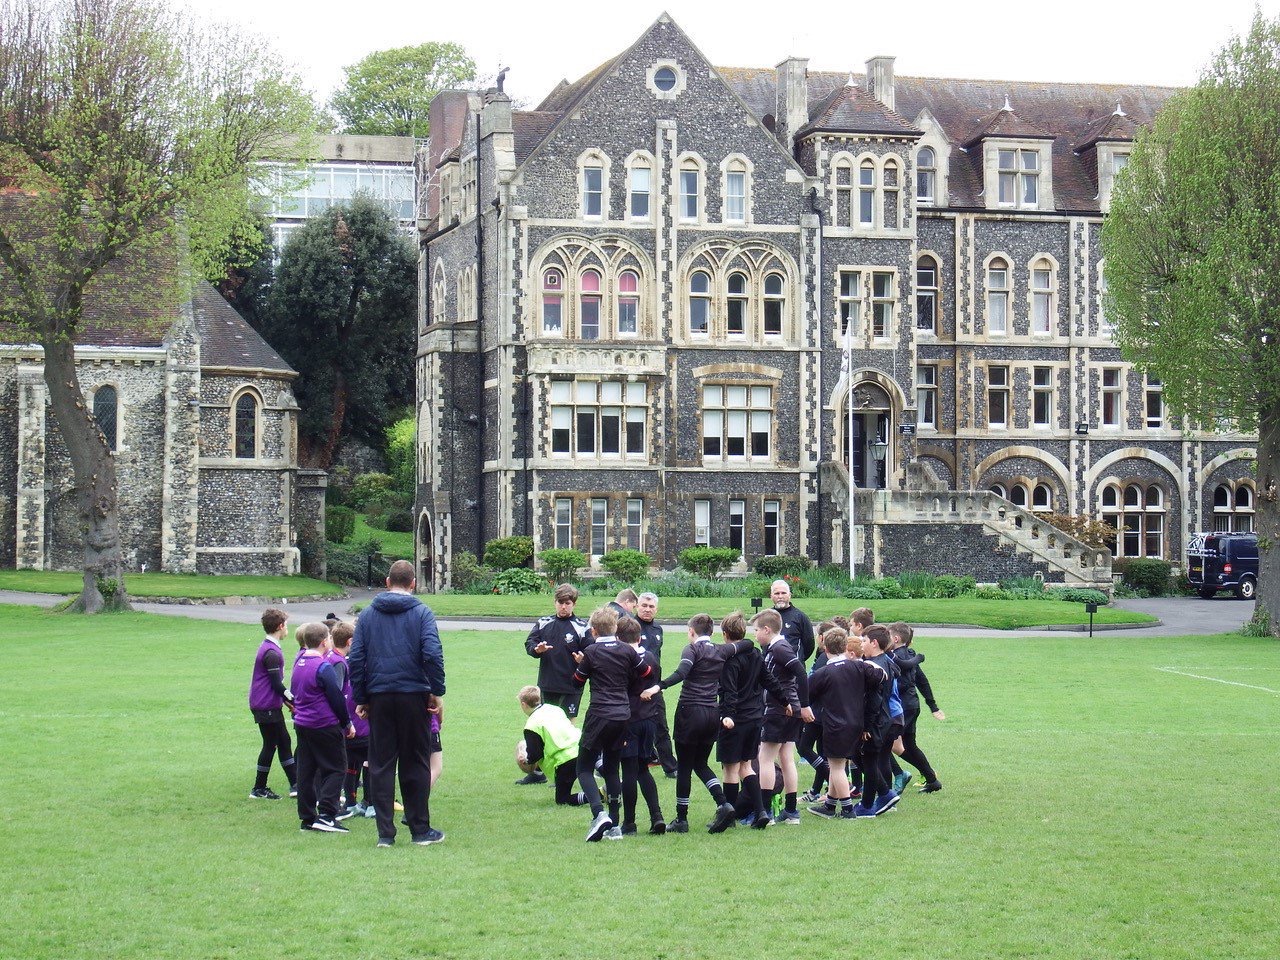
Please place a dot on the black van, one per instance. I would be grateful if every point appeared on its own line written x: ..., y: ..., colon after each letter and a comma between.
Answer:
x: 1223, y: 561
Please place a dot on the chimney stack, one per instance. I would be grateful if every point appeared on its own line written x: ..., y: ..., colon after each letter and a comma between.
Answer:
x: 791, y: 111
x: 880, y: 79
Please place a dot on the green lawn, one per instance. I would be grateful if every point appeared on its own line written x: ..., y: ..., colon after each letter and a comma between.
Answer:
x: 393, y: 544
x: 1097, y: 805
x: 997, y: 614
x: 174, y: 585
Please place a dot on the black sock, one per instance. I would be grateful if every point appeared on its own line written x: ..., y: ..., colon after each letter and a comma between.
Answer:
x: 682, y: 809
x: 261, y: 782
x: 291, y: 771
x: 731, y: 793
x: 789, y: 803
x: 766, y: 799
x: 755, y: 800
x: 717, y: 793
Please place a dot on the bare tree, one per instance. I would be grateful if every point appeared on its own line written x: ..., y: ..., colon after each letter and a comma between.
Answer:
x: 127, y: 135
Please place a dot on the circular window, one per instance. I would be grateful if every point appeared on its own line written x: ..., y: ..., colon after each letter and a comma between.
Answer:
x: 664, y: 78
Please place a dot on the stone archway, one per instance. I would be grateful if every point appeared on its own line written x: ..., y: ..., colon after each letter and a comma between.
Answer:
x: 426, y: 554
x: 870, y: 420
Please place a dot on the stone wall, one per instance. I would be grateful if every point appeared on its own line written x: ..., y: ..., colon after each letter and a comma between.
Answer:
x: 951, y: 548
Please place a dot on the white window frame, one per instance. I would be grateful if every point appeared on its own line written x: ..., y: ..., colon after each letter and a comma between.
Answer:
x: 884, y: 330
x: 702, y: 523
x: 1043, y: 299
x: 593, y: 159
x: 636, y: 164
x: 727, y: 406
x: 927, y: 262
x: 1043, y: 387
x: 691, y: 163
x: 1114, y: 393
x: 625, y: 402
x: 771, y: 525
x: 562, y: 523
x: 1002, y: 390
x: 635, y: 524
x: 733, y: 165
x: 997, y: 294
x: 1154, y: 391
x: 738, y: 526
x: 599, y: 527
x: 1018, y: 175
x: 849, y: 305
x: 543, y: 291
x: 927, y: 396
x: 926, y: 175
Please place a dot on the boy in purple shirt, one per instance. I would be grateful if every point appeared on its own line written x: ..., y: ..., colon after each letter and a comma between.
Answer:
x: 267, y: 696
x: 321, y: 721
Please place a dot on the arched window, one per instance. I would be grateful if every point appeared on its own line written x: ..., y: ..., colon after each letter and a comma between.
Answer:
x: 867, y: 194
x: 998, y: 296
x: 1042, y: 296
x: 699, y: 303
x: 552, y: 302
x: 737, y: 303
x: 999, y: 490
x: 105, y: 407
x: 774, y: 301
x: 628, y: 303
x: 1233, y: 510
x: 245, y: 440
x: 735, y: 192
x: 926, y: 177
x: 927, y: 295
x: 1137, y: 514
x: 589, y: 305
x: 1018, y: 495
x: 1042, y: 497
x: 842, y: 185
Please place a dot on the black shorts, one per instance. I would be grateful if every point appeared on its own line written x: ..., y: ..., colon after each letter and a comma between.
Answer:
x: 739, y: 745
x: 602, y: 735
x: 841, y: 742
x: 640, y: 739
x: 696, y: 723
x: 779, y: 728
x: 568, y: 702
x: 273, y: 715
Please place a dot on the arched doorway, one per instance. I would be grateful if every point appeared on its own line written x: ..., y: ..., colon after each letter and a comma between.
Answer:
x: 426, y: 554
x: 867, y: 426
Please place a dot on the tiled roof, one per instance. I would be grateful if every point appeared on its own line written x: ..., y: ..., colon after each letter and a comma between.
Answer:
x: 1119, y: 127
x: 531, y: 128
x: 226, y: 339
x: 1004, y: 123
x: 565, y: 95
x: 850, y: 109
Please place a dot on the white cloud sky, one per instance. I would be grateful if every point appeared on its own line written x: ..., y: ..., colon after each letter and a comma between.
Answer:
x: 1112, y: 41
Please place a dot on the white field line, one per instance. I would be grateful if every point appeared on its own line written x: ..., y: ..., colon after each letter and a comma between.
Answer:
x: 1230, y: 683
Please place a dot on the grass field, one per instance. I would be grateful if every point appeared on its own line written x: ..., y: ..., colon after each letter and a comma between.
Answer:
x: 1097, y: 805
x: 997, y: 614
x: 393, y: 544
x: 174, y: 585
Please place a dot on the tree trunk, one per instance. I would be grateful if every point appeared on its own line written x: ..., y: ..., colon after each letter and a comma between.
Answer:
x: 1268, y: 516
x: 94, y: 473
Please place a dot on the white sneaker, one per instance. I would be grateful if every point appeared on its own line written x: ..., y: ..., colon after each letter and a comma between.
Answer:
x: 599, y: 826
x: 613, y: 833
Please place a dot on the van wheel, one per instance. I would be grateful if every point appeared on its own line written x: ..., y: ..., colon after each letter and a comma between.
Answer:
x: 1247, y: 589
x: 1206, y: 593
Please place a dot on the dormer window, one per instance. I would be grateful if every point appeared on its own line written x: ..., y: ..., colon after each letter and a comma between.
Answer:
x: 926, y: 177
x: 1019, y: 178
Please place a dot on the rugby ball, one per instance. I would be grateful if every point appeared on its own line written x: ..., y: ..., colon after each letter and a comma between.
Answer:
x: 522, y: 756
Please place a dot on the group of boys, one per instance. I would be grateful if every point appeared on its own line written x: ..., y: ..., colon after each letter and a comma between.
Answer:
x: 751, y: 701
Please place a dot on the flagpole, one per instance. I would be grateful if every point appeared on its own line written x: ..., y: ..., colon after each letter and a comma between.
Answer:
x: 848, y: 404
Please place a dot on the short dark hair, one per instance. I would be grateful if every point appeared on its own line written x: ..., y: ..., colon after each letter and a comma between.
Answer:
x: 768, y: 618
x: 311, y: 635
x: 342, y: 632
x: 879, y: 635
x: 902, y: 631
x: 401, y: 574
x: 702, y: 624
x: 273, y: 619
x: 628, y: 630
x: 835, y: 641
x: 734, y: 626
x: 566, y: 592
x: 863, y: 617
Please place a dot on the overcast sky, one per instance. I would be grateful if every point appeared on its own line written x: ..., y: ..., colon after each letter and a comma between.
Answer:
x: 1115, y: 41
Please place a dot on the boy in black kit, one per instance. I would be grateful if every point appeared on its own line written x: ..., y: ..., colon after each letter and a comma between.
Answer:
x: 913, y: 677
x: 781, y: 726
x: 641, y: 731
x: 611, y: 667
x: 877, y: 749
x: 742, y: 685
x: 848, y: 690
x: 698, y: 718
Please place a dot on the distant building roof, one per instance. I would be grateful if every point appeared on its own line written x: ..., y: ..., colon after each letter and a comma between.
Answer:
x: 226, y: 339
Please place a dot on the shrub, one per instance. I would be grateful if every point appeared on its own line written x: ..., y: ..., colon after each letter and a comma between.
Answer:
x: 401, y: 437
x: 859, y: 592
x: 1030, y: 584
x: 507, y: 552
x: 775, y: 568
x: 339, y: 524
x: 399, y: 521
x: 990, y: 593
x: 1147, y: 573
x: 890, y: 589
x: 917, y: 583
x: 948, y: 586
x: 1079, y: 595
x: 1030, y: 593
x: 708, y: 562
x: 370, y: 489
x: 519, y: 580
x: 368, y: 546
x: 798, y: 585
x: 1260, y: 625
x: 468, y: 574
x: 562, y: 565
x: 344, y: 564
x: 1090, y: 532
x: 627, y: 565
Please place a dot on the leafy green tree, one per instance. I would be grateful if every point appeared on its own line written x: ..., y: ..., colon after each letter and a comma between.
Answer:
x: 401, y: 439
x: 342, y: 311
x: 389, y: 92
x: 1192, y: 248
x: 127, y: 131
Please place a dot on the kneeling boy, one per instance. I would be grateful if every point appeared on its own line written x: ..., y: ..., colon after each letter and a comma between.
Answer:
x: 551, y: 743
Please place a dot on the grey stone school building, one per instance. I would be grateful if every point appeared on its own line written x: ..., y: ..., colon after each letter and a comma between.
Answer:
x: 681, y: 304
x: 201, y: 416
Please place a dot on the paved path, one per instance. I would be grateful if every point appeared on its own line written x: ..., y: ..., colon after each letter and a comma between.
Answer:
x: 1180, y: 616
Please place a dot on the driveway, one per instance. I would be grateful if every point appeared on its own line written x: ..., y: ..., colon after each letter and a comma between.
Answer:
x: 1180, y: 616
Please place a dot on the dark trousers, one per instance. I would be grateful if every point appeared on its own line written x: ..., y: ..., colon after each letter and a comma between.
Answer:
x: 400, y: 738
x: 275, y: 742
x: 692, y: 758
x: 635, y: 774
x: 662, y: 739
x: 586, y: 770
x: 566, y: 780
x: 911, y: 751
x: 874, y: 757
x: 357, y: 754
x: 322, y: 762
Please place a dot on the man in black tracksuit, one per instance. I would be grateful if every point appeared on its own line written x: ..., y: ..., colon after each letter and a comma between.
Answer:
x: 552, y: 642
x: 610, y: 666
x: 797, y: 629
x: 909, y: 661
x: 697, y: 717
x: 742, y: 686
x: 651, y: 640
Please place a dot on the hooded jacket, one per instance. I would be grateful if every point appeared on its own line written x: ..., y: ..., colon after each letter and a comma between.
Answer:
x: 396, y: 649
